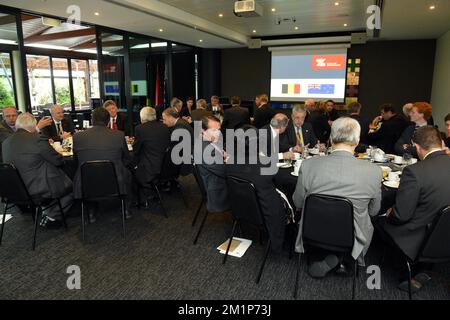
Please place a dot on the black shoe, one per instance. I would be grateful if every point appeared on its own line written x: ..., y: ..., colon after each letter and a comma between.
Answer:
x: 319, y: 269
x: 50, y: 223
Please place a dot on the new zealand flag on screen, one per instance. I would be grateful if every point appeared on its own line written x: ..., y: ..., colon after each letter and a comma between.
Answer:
x: 321, y: 89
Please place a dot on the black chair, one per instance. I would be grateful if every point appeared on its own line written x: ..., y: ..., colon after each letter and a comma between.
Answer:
x: 99, y: 182
x: 14, y: 192
x: 202, y: 188
x: 246, y: 209
x: 328, y: 224
x: 435, y: 247
x: 152, y: 185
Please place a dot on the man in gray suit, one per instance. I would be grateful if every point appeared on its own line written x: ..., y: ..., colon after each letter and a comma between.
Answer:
x: 102, y: 143
x: 39, y: 166
x: 341, y: 174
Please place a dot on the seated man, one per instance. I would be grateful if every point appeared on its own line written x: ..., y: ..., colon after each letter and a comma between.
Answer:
x: 263, y: 112
x: 212, y: 168
x: 200, y: 111
x: 39, y: 166
x: 341, y: 174
x: 102, y: 143
x: 273, y: 131
x: 318, y: 119
x: 299, y: 134
x: 354, y: 112
x: 171, y: 171
x: 60, y: 127
x: 424, y: 190
x: 272, y: 205
x: 236, y: 116
x: 151, y: 142
x: 447, y: 128
x: 117, y: 121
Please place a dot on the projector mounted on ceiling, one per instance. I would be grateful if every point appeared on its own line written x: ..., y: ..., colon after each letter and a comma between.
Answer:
x: 247, y: 9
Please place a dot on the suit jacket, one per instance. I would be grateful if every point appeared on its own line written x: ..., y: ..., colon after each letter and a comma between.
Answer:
x: 38, y: 163
x: 262, y: 116
x: 270, y: 141
x: 447, y: 142
x: 270, y: 201
x: 319, y: 122
x: 288, y: 139
x: 339, y: 174
x: 198, y: 114
x: 235, y: 117
x: 171, y: 170
x: 5, y: 132
x: 406, y: 138
x: 424, y: 190
x: 151, y: 142
x: 364, y: 124
x: 102, y: 143
x: 122, y: 123
x: 388, y: 134
x: 214, y: 179
x: 50, y: 132
x: 333, y: 115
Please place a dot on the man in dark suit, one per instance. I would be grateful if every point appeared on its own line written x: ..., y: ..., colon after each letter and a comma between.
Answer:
x: 236, y: 116
x: 200, y: 111
x: 117, y: 121
x: 8, y: 124
x: 424, y: 190
x: 298, y: 134
x: 39, y: 166
x: 102, y: 143
x: 354, y: 112
x: 332, y: 113
x: 391, y: 128
x: 318, y: 120
x: 447, y: 128
x: 263, y: 113
x: 151, y: 142
x: 270, y: 200
x: 212, y: 169
x: 61, y: 127
x: 273, y: 131
x: 171, y: 171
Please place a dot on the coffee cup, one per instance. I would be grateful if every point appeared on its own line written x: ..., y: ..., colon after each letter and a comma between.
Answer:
x: 297, y: 166
x: 398, y: 159
x: 393, y: 176
x: 378, y: 157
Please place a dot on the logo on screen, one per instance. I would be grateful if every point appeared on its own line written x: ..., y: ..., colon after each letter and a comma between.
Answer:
x: 328, y: 62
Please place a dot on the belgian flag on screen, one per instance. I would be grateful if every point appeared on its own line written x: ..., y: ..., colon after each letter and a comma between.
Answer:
x: 290, y: 88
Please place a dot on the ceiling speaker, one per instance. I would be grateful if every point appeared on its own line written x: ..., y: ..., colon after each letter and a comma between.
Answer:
x: 254, y: 44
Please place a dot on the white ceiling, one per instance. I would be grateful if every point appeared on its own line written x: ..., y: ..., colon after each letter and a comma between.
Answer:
x: 189, y: 21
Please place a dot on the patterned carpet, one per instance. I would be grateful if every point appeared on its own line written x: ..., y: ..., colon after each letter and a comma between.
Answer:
x: 157, y: 260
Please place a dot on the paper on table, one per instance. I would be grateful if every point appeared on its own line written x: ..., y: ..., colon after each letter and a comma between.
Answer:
x: 238, y: 247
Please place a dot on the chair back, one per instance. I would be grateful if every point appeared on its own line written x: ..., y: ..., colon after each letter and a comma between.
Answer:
x: 99, y: 180
x: 436, y: 247
x: 13, y: 188
x: 244, y: 201
x: 199, y: 181
x: 328, y: 223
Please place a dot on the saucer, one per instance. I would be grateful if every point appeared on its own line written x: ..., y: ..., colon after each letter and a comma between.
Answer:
x: 284, y: 165
x: 293, y: 173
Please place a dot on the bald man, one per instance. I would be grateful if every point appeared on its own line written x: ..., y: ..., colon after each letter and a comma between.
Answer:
x: 275, y: 128
x: 61, y: 127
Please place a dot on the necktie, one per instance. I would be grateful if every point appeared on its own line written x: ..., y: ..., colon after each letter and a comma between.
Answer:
x: 299, y: 137
x: 59, y: 128
x: 114, y: 124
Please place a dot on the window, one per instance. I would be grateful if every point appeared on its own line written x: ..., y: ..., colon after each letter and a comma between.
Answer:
x: 94, y: 81
x: 6, y: 81
x: 61, y: 82
x: 39, y: 78
x: 80, y: 83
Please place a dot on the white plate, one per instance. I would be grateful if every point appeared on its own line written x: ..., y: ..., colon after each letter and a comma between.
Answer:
x: 284, y: 165
x: 392, y: 184
x: 385, y: 160
x: 293, y: 173
x: 314, y: 151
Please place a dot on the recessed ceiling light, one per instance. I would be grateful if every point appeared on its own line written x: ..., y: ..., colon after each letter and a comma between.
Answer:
x: 200, y: 40
x: 220, y: 15
x: 432, y: 7
x: 336, y: 3
x: 254, y: 31
x: 96, y: 13
x: 345, y: 24
x: 296, y: 28
x: 273, y: 9
x: 161, y: 30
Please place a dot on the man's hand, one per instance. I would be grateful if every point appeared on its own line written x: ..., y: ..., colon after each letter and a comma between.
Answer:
x: 65, y: 135
x: 405, y: 146
x: 322, y: 147
x: 289, y: 155
x: 298, y: 149
x: 44, y: 122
